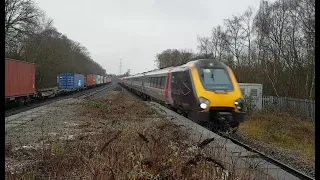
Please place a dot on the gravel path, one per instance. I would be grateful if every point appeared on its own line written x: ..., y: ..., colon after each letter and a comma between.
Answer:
x: 60, y: 121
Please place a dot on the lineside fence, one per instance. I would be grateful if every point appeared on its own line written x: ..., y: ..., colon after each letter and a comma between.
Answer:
x: 303, y: 108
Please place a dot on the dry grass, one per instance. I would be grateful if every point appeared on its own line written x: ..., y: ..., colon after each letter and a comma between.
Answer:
x: 125, y: 139
x: 282, y: 130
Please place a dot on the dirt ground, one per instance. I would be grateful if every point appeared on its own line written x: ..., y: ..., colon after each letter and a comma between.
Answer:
x: 114, y: 137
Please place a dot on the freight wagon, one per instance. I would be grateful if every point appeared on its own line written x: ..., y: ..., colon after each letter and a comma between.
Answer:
x: 90, y: 80
x: 109, y: 79
x: 98, y: 80
x: 19, y: 80
x: 71, y: 81
x: 104, y: 79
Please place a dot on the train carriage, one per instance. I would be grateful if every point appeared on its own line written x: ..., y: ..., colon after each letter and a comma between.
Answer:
x: 204, y: 90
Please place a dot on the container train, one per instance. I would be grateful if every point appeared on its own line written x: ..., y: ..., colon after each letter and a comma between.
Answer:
x: 20, y: 82
x: 206, y: 91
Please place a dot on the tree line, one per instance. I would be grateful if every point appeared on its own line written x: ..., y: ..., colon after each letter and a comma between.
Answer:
x: 30, y: 36
x: 274, y: 46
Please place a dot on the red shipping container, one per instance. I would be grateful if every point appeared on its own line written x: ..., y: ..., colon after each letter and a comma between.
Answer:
x: 95, y: 77
x: 19, y: 78
x: 90, y: 80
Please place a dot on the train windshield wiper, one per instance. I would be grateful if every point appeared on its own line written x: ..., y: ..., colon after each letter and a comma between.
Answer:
x: 221, y: 91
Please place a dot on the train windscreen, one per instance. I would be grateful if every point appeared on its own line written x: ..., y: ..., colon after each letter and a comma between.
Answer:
x: 215, y: 79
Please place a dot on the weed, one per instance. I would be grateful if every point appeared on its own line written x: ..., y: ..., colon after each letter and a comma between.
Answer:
x: 283, y: 130
x: 133, y: 144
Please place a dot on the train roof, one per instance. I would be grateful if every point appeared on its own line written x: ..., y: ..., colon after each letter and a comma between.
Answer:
x: 198, y: 63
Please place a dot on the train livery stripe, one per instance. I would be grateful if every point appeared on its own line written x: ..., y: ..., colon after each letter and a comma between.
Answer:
x: 166, y: 95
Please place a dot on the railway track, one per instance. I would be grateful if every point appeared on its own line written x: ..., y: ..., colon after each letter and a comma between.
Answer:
x: 281, y: 165
x: 86, y: 93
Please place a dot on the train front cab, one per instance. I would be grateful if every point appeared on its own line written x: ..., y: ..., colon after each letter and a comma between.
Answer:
x: 218, y: 93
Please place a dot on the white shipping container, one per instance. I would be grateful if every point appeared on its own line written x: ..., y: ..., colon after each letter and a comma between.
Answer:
x: 252, y: 91
x: 98, y: 79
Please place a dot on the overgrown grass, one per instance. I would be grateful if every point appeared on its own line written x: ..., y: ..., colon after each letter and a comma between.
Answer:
x: 123, y: 138
x: 282, y: 130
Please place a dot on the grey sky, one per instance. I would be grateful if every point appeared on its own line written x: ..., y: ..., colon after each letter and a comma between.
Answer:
x: 136, y: 30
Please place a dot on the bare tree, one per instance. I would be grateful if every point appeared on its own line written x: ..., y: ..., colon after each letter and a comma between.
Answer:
x: 173, y: 57
x: 205, y: 46
x: 247, y: 20
x: 219, y: 43
x: 21, y: 17
x: 275, y: 46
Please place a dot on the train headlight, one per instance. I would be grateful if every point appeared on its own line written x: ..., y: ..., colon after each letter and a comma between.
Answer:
x: 204, y: 103
x: 203, y: 106
x: 239, y: 103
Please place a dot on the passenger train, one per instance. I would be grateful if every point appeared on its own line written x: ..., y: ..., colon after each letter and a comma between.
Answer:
x: 205, y: 91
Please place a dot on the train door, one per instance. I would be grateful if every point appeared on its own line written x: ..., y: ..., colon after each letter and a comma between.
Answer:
x: 175, y: 88
x: 180, y: 89
x: 187, y: 97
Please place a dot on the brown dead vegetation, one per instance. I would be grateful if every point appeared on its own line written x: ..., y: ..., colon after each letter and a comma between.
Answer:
x: 125, y: 139
x: 280, y: 129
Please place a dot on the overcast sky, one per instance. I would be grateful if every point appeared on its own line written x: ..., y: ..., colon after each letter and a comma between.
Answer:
x: 136, y: 30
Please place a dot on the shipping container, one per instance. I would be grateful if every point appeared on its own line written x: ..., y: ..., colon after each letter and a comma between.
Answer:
x: 95, y: 79
x: 98, y: 79
x: 71, y: 81
x: 19, y: 78
x: 90, y: 80
x: 101, y: 79
x: 108, y: 79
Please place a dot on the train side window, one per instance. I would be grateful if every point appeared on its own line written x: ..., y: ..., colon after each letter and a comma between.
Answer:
x: 163, y: 82
x: 153, y: 82
x: 158, y: 82
x: 160, y: 85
